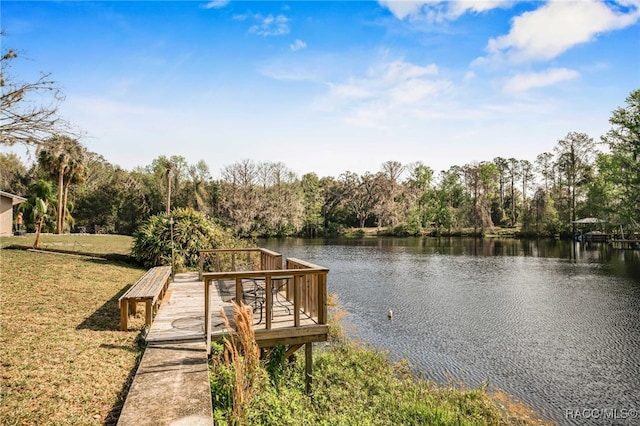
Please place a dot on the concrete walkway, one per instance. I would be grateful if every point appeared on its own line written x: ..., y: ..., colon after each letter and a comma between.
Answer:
x: 171, y: 385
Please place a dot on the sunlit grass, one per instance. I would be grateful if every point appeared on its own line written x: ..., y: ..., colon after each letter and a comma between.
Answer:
x: 63, y: 359
x: 96, y: 244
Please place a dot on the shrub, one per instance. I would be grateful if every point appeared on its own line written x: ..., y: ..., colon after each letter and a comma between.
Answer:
x: 192, y: 232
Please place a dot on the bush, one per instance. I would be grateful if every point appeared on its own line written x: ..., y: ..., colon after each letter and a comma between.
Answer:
x: 192, y: 232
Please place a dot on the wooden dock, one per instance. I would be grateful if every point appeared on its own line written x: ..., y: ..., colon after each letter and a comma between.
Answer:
x: 181, y: 315
x: 171, y: 385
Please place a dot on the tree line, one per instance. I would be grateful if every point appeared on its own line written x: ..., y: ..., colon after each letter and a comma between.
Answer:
x: 72, y: 189
x: 257, y: 199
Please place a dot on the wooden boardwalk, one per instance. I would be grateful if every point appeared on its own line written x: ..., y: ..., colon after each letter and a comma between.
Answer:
x: 171, y: 385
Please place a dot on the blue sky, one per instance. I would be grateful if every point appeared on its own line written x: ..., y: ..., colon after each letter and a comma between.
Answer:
x: 330, y: 86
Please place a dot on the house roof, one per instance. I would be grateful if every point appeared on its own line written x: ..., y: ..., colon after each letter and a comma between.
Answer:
x: 16, y: 199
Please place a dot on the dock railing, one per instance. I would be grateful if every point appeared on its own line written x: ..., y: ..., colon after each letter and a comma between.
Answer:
x: 241, y: 259
x: 305, y: 288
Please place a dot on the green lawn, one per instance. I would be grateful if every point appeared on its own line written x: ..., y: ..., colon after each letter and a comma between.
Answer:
x: 63, y: 359
x: 98, y: 244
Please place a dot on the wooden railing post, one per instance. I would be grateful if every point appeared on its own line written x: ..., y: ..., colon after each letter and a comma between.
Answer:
x: 305, y: 294
x: 313, y: 296
x: 200, y: 265
x: 296, y: 300
x: 207, y: 314
x: 322, y: 298
x: 269, y: 301
x: 238, y: 290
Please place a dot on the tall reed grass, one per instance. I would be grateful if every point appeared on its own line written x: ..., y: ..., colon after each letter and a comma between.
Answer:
x: 242, y: 357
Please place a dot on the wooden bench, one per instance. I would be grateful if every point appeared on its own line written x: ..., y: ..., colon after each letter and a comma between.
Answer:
x: 150, y: 288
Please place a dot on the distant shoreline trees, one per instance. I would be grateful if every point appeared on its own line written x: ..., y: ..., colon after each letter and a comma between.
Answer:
x: 266, y: 199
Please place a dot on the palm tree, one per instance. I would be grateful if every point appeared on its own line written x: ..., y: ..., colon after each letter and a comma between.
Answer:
x: 39, y: 214
x: 42, y: 189
x: 64, y: 159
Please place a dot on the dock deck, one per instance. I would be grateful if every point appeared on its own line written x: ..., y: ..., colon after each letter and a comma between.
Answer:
x: 181, y: 315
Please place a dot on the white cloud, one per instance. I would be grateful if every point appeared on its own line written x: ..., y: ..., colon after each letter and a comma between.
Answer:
x: 436, y: 10
x: 298, y: 45
x: 216, y: 4
x: 399, y: 70
x: 526, y: 81
x: 558, y: 26
x: 287, y: 71
x: 349, y: 91
x: 387, y: 91
x: 388, y: 81
x: 460, y: 7
x: 401, y: 9
x: 270, y: 25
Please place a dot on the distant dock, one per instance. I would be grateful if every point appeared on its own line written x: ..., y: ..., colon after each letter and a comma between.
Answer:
x: 625, y: 244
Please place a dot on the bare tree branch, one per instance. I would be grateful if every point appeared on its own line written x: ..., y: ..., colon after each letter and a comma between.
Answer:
x: 28, y: 110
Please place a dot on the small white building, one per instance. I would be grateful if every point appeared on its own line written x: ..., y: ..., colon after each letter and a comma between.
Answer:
x: 7, y: 201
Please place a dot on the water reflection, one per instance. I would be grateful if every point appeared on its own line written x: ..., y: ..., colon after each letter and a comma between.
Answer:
x: 555, y: 323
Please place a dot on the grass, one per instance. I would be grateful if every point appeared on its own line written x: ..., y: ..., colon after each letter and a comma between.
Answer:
x: 354, y: 385
x: 95, y: 244
x: 63, y: 359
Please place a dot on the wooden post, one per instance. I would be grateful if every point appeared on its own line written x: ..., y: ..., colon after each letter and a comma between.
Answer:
x: 296, y: 300
x: 148, y: 312
x: 207, y: 315
x: 238, y: 290
x: 322, y: 298
x: 124, y: 315
x: 269, y: 301
x: 308, y: 366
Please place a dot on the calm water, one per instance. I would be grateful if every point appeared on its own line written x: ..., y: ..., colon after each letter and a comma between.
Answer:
x: 554, y: 324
